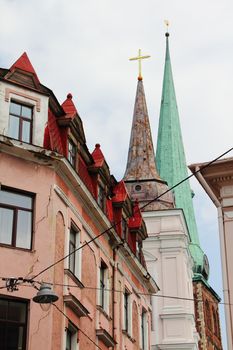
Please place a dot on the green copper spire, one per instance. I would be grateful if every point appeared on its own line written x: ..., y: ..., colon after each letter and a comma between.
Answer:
x: 170, y: 158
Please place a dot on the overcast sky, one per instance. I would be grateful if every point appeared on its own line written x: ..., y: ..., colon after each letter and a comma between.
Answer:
x: 83, y: 47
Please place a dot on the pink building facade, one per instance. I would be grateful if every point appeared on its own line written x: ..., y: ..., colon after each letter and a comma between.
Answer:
x: 57, y: 199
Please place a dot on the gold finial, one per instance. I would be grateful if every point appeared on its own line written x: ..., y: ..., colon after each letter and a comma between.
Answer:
x: 167, y: 24
x: 139, y: 58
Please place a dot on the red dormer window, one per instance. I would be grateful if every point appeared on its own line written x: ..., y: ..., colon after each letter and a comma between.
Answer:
x: 20, y: 122
x: 71, y: 152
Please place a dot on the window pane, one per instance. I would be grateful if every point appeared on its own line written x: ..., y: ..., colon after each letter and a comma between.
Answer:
x: 68, y: 339
x: 15, y: 108
x: 3, y: 310
x: 2, y: 334
x: 27, y: 112
x: 14, y: 337
x: 24, y: 229
x: 26, y: 126
x: 72, y: 259
x: 17, y: 311
x: 6, y: 225
x: 15, y: 199
x: 13, y: 127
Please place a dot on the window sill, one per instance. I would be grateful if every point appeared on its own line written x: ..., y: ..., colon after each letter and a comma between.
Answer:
x: 74, y: 278
x: 16, y: 248
x: 98, y: 307
x: 128, y: 336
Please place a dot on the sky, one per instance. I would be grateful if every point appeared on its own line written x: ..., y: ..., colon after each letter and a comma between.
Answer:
x: 84, y: 46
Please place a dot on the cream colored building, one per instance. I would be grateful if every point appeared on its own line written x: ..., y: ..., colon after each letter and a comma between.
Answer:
x: 217, y: 181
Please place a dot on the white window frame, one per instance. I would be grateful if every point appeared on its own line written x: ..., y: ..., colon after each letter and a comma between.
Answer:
x: 72, y: 152
x: 74, y: 336
x: 144, y: 336
x: 128, y: 329
x: 76, y: 271
x: 103, y: 302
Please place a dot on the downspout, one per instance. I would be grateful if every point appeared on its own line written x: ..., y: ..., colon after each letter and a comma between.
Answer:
x: 222, y: 240
x: 113, y: 293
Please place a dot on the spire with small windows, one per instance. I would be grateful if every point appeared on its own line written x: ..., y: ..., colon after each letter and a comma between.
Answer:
x: 141, y: 176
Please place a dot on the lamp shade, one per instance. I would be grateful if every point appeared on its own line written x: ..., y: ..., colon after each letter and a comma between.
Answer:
x: 45, y: 295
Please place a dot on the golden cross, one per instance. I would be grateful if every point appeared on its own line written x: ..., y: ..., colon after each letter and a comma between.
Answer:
x: 139, y: 58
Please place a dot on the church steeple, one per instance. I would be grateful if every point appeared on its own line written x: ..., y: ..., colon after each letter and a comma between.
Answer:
x: 141, y: 159
x: 141, y: 176
x: 170, y: 158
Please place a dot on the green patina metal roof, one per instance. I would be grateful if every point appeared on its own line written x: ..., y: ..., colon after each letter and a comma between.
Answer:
x: 170, y: 158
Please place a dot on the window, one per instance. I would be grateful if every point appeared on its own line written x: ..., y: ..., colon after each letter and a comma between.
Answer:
x: 20, y: 122
x: 13, y: 324
x: 74, y: 259
x: 103, y: 295
x: 124, y: 227
x: 126, y: 311
x: 71, y: 337
x: 16, y: 211
x: 144, y: 331
x: 101, y: 197
x: 71, y: 152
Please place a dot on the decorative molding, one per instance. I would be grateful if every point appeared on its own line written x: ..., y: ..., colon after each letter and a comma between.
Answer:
x: 9, y: 91
x: 75, y: 305
x: 105, y: 337
x: 222, y: 178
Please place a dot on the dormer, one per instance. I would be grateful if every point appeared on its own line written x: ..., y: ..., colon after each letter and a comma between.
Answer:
x: 101, y: 177
x: 24, y: 103
x: 71, y: 127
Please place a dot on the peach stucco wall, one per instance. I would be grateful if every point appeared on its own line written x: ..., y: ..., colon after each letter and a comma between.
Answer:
x: 53, y: 215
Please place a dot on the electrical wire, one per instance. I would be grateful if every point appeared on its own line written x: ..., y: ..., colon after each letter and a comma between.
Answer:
x: 79, y: 329
x: 138, y: 293
x: 141, y: 208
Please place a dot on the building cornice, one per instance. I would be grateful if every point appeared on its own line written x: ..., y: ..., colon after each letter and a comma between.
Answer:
x: 63, y: 168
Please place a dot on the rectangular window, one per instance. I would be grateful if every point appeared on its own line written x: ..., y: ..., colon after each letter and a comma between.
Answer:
x: 103, y: 300
x: 71, y: 153
x: 16, y: 215
x: 144, y: 332
x: 126, y: 311
x: 13, y: 324
x: 71, y: 337
x: 101, y: 197
x: 124, y: 227
x: 74, y: 243
x: 20, y: 122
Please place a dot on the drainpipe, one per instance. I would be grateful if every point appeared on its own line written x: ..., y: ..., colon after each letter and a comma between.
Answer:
x: 113, y: 292
x: 222, y: 240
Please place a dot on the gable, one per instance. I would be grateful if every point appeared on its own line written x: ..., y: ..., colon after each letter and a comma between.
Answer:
x: 23, y: 78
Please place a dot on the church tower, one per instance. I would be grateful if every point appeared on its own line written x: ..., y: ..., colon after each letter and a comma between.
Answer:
x: 171, y: 162
x: 172, y: 167
x: 141, y: 176
x: 166, y: 249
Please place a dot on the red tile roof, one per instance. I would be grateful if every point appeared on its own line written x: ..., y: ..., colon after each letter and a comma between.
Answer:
x: 98, y: 156
x: 54, y: 134
x: 120, y: 192
x: 69, y: 107
x: 135, y: 221
x: 84, y: 174
x: 24, y: 63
